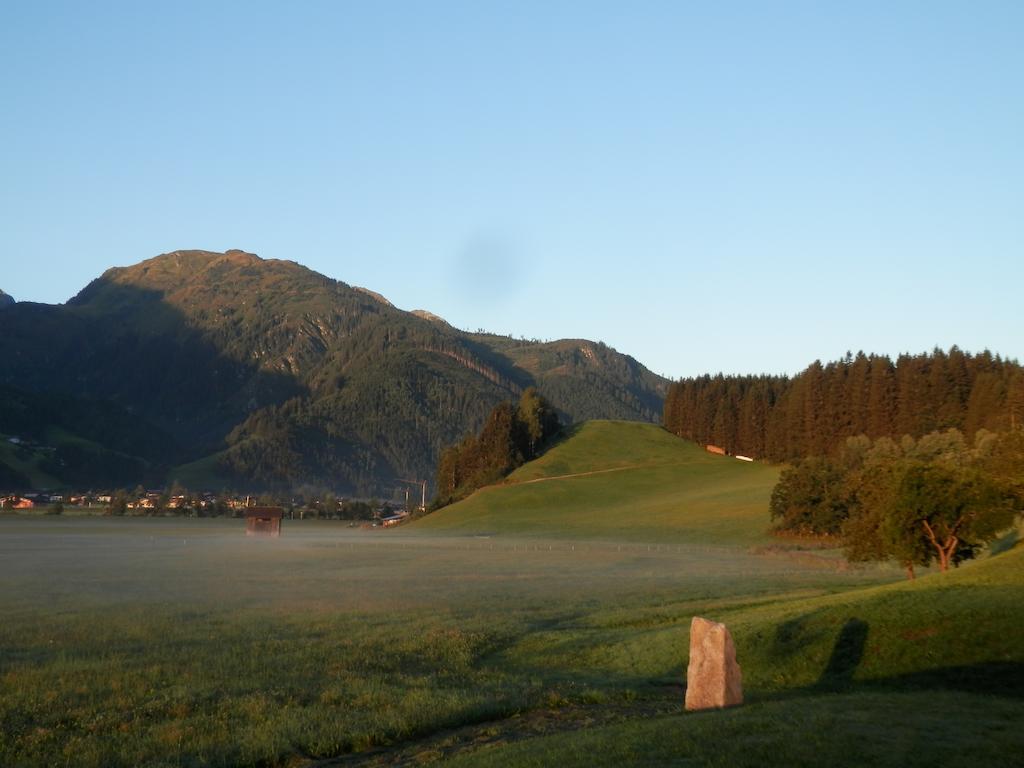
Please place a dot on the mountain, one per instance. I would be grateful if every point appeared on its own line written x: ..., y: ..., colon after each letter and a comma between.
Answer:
x: 225, y: 369
x: 6, y: 300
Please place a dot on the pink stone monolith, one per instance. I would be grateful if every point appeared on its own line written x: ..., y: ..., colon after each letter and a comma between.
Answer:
x: 713, y: 678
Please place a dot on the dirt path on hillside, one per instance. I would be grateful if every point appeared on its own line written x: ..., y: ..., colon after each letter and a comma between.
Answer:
x: 578, y: 474
x: 567, y: 717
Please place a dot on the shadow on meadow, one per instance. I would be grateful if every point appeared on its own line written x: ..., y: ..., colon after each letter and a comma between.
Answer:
x: 657, y: 699
x: 846, y: 656
x: 996, y: 678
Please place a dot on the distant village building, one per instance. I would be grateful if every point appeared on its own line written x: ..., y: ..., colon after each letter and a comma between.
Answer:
x: 16, y: 502
x: 715, y: 449
x: 394, y: 519
x: 263, y: 521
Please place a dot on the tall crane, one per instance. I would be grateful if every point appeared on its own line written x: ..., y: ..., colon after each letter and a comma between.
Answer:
x: 423, y: 483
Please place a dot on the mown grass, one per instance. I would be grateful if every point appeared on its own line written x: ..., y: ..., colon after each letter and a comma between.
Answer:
x: 126, y: 643
x: 181, y: 642
x: 902, y: 674
x: 858, y: 729
x: 154, y: 687
x: 149, y: 642
x: 646, y: 486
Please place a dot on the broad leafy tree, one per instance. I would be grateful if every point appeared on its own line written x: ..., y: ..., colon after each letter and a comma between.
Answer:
x: 954, y: 511
x: 810, y: 498
x: 918, y: 502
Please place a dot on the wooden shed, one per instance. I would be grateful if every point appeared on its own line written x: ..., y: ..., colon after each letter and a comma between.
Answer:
x: 263, y: 521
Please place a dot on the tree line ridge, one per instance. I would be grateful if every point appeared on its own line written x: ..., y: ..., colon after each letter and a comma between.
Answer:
x: 782, y: 418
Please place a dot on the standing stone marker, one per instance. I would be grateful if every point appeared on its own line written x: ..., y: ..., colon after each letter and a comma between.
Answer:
x: 713, y: 678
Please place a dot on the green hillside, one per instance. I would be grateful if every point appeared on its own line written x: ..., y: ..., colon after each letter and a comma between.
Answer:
x: 923, y: 667
x: 626, y: 481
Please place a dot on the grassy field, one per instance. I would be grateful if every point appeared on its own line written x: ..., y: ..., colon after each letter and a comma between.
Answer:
x: 903, y: 674
x: 623, y: 481
x: 181, y: 642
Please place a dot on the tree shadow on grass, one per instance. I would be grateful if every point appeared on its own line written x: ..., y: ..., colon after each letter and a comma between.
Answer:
x: 846, y: 656
x: 998, y: 678
x: 994, y: 678
x: 563, y: 435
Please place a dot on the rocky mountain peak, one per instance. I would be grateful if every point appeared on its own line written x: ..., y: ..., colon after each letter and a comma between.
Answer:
x: 373, y: 295
x: 425, y: 315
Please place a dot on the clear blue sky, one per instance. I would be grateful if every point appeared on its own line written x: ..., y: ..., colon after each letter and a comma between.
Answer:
x: 706, y: 186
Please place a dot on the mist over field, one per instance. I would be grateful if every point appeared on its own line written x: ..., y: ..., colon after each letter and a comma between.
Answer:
x: 556, y: 600
x: 65, y: 565
x: 332, y: 638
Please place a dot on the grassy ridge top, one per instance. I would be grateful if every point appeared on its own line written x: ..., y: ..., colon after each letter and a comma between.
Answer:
x: 600, y: 445
x: 621, y: 480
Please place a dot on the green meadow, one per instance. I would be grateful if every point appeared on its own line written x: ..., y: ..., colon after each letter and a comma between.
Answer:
x: 625, y: 481
x: 544, y: 621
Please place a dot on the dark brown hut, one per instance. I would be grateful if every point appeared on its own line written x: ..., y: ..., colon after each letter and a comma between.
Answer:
x: 263, y: 521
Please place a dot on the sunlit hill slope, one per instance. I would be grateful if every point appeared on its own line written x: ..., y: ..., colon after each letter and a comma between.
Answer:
x: 621, y: 480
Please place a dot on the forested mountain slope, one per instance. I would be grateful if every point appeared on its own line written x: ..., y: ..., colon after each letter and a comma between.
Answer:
x: 262, y: 373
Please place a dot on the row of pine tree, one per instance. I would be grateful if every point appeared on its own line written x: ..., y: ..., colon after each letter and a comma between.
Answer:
x: 512, y: 435
x: 782, y: 418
